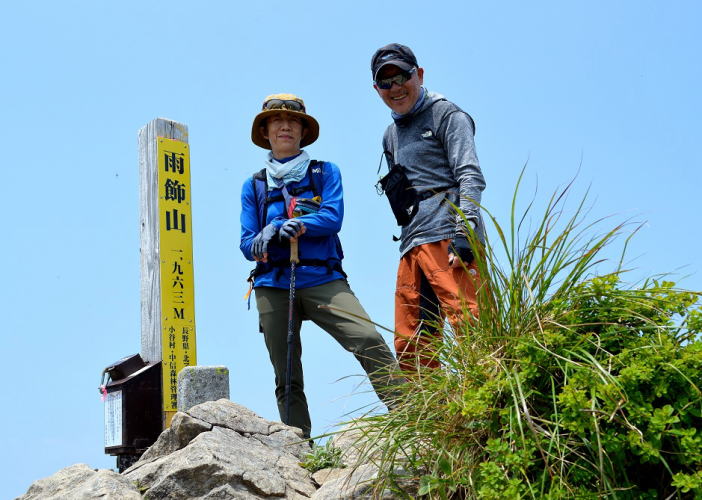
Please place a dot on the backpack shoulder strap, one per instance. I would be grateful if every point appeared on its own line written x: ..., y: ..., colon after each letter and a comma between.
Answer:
x: 260, y: 187
x: 316, y: 176
x: 261, y: 174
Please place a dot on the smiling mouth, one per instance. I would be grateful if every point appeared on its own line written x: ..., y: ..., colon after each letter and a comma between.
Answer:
x: 399, y: 97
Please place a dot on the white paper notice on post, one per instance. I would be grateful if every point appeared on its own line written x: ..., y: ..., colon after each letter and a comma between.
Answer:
x: 113, y: 419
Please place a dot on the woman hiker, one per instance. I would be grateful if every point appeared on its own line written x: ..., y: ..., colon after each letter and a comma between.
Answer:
x: 296, y: 198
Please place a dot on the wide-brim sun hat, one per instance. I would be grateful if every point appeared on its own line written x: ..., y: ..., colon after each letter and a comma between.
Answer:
x: 288, y: 103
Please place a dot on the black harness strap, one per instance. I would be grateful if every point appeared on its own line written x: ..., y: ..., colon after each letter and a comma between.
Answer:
x: 278, y: 266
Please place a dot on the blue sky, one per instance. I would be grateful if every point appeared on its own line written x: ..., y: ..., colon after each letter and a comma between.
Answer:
x: 607, y: 88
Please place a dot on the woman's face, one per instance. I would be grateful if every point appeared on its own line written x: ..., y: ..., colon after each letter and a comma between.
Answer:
x: 284, y: 131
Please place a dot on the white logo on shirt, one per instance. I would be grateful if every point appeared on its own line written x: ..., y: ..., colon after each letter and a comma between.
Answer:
x: 427, y: 134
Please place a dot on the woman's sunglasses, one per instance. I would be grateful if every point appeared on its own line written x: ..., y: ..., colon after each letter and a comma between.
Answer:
x: 284, y: 104
x: 399, y: 79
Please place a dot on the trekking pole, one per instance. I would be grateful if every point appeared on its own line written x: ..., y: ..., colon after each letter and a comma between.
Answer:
x: 294, y: 260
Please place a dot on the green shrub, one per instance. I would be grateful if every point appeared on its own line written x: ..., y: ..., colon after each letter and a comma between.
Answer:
x: 322, y: 457
x: 570, y: 384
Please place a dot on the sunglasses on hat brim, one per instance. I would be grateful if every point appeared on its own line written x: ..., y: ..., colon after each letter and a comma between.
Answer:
x: 284, y: 104
x: 399, y: 79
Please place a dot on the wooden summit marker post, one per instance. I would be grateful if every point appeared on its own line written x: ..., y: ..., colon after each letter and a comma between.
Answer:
x: 167, y: 288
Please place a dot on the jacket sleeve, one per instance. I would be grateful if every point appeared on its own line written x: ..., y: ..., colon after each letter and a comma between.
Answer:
x: 328, y: 219
x: 456, y: 132
x: 250, y: 226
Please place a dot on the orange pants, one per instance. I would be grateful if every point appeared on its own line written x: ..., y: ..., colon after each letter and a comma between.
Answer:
x: 428, y: 289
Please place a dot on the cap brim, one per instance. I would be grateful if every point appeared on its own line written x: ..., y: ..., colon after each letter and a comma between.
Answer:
x: 310, y: 124
x: 404, y: 66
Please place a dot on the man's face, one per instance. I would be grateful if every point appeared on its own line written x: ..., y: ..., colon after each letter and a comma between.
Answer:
x: 285, y: 132
x: 400, y: 98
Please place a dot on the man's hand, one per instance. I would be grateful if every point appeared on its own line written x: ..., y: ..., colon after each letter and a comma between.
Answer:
x: 460, y: 251
x: 259, y: 247
x: 292, y: 228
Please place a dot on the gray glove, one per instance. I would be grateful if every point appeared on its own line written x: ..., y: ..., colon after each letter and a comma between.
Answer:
x: 260, y: 243
x: 461, y: 248
x: 291, y: 228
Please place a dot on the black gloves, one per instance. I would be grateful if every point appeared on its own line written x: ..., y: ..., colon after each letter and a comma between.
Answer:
x: 460, y: 247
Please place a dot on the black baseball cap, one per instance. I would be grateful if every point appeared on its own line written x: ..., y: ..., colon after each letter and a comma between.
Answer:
x: 394, y: 54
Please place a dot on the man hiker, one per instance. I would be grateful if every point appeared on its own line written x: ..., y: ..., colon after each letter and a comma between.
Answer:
x: 432, y: 164
x: 294, y: 199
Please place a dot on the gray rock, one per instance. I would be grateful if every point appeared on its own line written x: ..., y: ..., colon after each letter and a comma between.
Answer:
x: 324, y: 475
x: 80, y: 482
x: 288, y: 440
x: 216, y: 450
x: 360, y: 452
x: 353, y: 484
x: 226, y: 464
x: 356, y: 446
x: 350, y: 441
x: 197, y: 384
x: 183, y: 429
x: 357, y: 483
x: 225, y: 413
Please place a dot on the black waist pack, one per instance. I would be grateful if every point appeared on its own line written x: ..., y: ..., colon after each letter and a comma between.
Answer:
x: 403, y: 197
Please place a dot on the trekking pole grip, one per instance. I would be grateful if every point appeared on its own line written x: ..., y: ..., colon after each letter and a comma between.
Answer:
x: 293, y: 251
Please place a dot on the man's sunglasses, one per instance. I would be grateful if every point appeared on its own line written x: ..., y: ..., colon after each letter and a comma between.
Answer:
x: 399, y: 79
x: 284, y: 104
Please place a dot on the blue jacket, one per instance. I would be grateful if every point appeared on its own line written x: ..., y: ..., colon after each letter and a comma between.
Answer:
x: 319, y: 243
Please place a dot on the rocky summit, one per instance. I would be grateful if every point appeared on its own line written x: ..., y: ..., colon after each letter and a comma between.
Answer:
x: 215, y: 450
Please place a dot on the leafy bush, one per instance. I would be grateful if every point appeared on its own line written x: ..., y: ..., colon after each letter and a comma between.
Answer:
x: 322, y: 457
x: 569, y: 384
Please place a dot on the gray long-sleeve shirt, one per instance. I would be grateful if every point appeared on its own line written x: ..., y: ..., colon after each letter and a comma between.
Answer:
x: 435, y: 145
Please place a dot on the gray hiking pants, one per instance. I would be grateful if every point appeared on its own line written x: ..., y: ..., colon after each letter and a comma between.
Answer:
x: 355, y: 335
